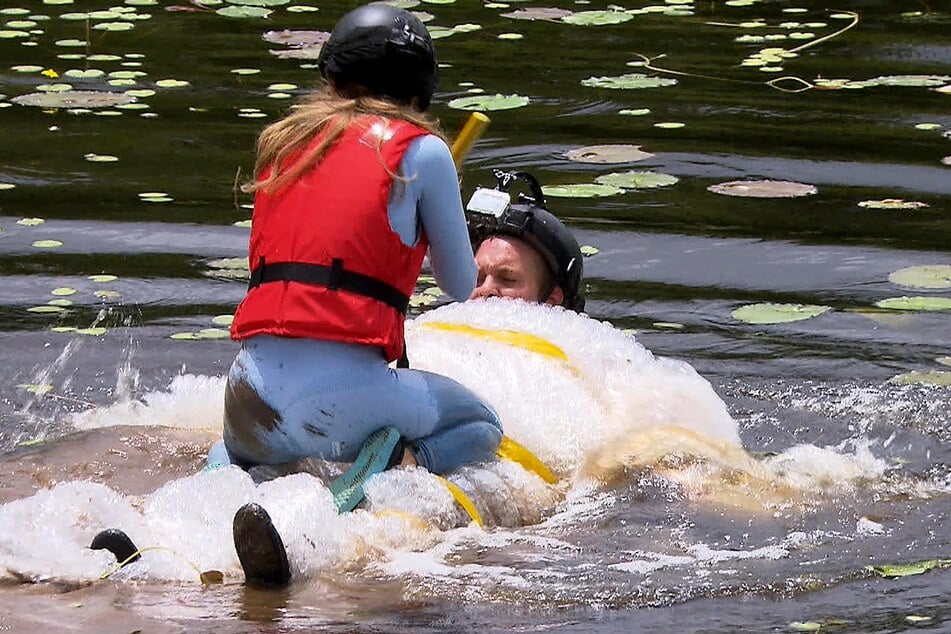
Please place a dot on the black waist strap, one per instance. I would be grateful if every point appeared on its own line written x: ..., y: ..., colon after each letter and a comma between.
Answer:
x: 333, y: 277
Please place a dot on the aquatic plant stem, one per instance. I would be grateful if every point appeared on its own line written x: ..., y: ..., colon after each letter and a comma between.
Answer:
x: 772, y: 83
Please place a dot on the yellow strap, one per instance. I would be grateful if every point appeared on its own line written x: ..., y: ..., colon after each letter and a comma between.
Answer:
x: 473, y: 128
x: 511, y: 450
x: 514, y: 338
x: 464, y: 501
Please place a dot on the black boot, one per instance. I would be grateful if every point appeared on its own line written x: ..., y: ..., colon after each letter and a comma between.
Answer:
x: 260, y: 548
x: 117, y: 543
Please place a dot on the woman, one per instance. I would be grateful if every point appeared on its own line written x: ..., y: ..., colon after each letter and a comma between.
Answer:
x: 352, y: 188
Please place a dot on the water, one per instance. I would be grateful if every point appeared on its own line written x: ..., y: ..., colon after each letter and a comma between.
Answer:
x: 659, y: 519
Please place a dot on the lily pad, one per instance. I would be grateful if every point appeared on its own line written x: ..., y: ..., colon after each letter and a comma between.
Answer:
x: 489, y: 102
x: 538, y: 13
x: 74, y: 99
x: 172, y: 83
x: 102, y: 279
x: 607, y: 154
x: 915, y: 377
x: 63, y: 291
x: 944, y: 360
x: 36, y: 388
x: 637, y: 180
x: 927, y: 276
x: 581, y: 190
x: 107, y: 294
x: 47, y: 244
x: 669, y: 125
x: 907, y: 570
x: 100, y: 158
x: 911, y: 81
x: 597, y: 18
x: 222, y: 320
x: 892, y: 203
x: 244, y: 12
x: 587, y: 250
x: 763, y: 189
x: 636, y: 112
x: 298, y: 39
x: 92, y: 332
x: 915, y: 303
x: 45, y: 309
x: 60, y: 302
x: 629, y: 81
x: 769, y: 313
x: 30, y: 222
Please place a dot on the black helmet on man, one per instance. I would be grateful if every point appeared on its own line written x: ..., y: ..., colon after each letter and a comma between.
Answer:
x: 492, y: 212
x: 386, y: 50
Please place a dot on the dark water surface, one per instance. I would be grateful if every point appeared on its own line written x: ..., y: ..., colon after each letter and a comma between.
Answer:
x: 673, y: 263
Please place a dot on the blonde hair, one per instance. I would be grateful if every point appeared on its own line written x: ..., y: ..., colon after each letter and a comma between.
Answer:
x: 326, y: 113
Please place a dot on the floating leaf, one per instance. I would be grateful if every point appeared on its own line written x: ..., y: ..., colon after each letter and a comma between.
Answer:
x: 244, y: 12
x: 638, y: 112
x: 630, y: 81
x: 107, y: 294
x: 769, y: 313
x: 927, y: 276
x: 928, y: 126
x: 637, y: 180
x: 47, y: 244
x: 763, y: 189
x: 669, y: 125
x: 608, y: 154
x: 510, y: 36
x: 588, y: 250
x: 60, y: 302
x: 489, y: 102
x: 299, y: 39
x: 914, y: 618
x: 805, y: 626
x: 907, y: 570
x: 668, y: 325
x: 911, y: 81
x: 45, y: 309
x: 62, y: 329
x: 915, y: 303
x: 92, y: 332
x: 597, y: 18
x: 171, y: 83
x: 581, y: 190
x: 892, y: 203
x: 100, y: 158
x: 538, y: 13
x: 102, y: 279
x: 63, y: 291
x: 30, y: 222
x: 931, y: 377
x: 944, y: 360
x: 73, y: 99
x: 114, y: 26
x: 36, y: 388
x: 222, y: 320
x: 245, y: 71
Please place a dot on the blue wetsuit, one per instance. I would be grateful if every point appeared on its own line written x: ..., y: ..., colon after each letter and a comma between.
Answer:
x: 329, y: 396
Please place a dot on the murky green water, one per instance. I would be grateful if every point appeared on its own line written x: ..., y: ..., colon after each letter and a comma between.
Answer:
x: 673, y: 263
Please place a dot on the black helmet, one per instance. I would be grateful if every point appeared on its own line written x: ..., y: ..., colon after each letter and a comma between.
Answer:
x: 491, y: 212
x: 386, y: 50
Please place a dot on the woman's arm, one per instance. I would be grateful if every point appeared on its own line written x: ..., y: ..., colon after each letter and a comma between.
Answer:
x: 432, y: 201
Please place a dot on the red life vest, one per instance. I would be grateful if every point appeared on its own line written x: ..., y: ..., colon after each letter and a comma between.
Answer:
x: 325, y: 263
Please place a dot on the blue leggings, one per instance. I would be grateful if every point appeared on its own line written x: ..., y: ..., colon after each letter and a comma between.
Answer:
x: 288, y: 399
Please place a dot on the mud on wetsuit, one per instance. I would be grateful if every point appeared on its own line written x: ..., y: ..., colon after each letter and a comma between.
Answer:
x: 312, y: 378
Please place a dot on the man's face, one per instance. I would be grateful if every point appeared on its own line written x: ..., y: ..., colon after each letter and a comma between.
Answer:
x: 509, y: 267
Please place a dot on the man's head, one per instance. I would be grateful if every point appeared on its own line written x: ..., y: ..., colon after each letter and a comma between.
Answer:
x: 521, y: 249
x: 510, y: 267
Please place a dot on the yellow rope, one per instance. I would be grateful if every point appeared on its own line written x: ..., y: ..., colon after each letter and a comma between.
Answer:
x: 209, y: 576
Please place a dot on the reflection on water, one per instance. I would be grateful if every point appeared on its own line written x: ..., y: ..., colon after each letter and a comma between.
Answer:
x: 657, y: 506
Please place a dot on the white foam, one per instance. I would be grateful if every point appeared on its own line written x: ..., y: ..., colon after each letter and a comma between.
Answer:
x: 809, y: 467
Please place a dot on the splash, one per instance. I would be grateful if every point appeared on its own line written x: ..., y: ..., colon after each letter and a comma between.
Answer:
x: 590, y: 401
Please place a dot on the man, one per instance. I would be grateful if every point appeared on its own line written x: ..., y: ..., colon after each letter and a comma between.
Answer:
x: 521, y: 249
